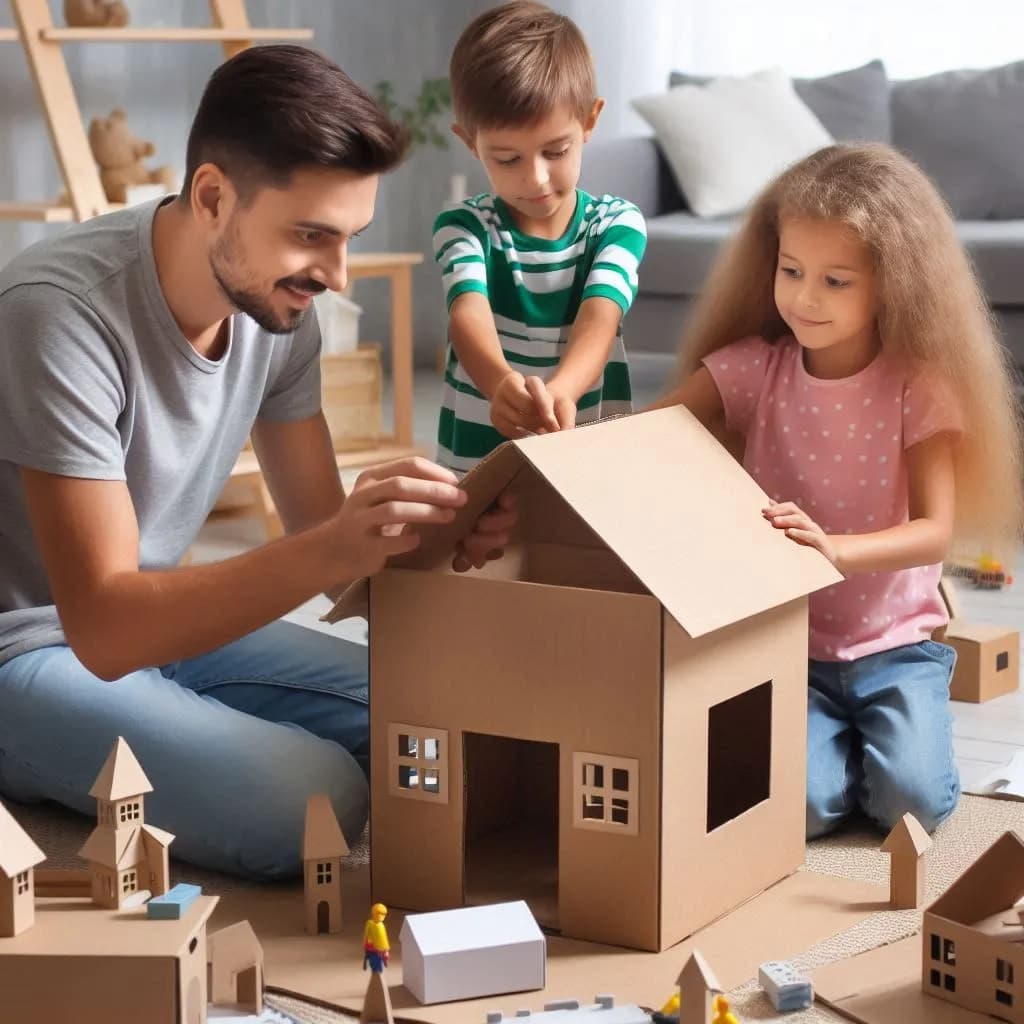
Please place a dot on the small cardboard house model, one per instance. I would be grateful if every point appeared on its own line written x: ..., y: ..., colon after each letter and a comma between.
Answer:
x: 19, y: 856
x: 973, y: 938
x: 471, y: 952
x: 987, y: 657
x: 234, y: 959
x: 125, y: 855
x: 323, y: 849
x: 610, y: 721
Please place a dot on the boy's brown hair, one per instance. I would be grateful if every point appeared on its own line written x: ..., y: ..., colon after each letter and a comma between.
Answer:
x: 515, y: 63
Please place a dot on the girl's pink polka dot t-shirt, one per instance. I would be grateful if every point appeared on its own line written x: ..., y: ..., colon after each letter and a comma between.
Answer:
x: 838, y: 449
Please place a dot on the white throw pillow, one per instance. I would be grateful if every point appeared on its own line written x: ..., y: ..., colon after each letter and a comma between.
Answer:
x: 726, y: 140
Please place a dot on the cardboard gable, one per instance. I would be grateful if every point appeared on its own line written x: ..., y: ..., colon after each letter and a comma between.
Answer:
x: 650, y: 503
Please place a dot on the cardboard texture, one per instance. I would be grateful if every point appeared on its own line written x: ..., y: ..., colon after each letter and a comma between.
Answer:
x: 19, y: 856
x: 906, y: 845
x: 234, y: 960
x: 113, y: 966
x: 620, y: 770
x: 972, y: 951
x: 124, y: 854
x: 987, y: 657
x: 471, y: 952
x: 786, y: 920
x: 323, y: 847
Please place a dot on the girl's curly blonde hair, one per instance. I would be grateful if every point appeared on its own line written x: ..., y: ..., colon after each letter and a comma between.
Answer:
x: 932, y: 312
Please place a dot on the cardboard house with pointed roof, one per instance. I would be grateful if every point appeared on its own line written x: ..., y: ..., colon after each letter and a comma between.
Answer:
x: 323, y: 848
x: 697, y: 988
x: 124, y: 854
x: 234, y: 958
x: 906, y: 845
x: 19, y: 856
x: 610, y: 721
x: 972, y: 936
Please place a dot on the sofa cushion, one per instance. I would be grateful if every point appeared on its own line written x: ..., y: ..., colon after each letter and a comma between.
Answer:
x: 997, y: 249
x: 681, y: 249
x: 853, y: 105
x: 966, y: 130
x: 725, y: 141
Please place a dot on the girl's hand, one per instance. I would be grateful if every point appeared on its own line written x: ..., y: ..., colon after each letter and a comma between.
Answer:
x: 799, y: 526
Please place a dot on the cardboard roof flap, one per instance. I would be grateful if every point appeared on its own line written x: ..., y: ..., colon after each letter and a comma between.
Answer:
x: 907, y: 836
x: 18, y: 851
x: 121, y: 775
x: 322, y: 838
x: 663, y: 494
x: 992, y: 884
x: 236, y: 943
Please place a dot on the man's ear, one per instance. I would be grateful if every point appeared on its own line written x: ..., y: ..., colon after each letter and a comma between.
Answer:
x: 591, y: 123
x: 468, y: 139
x: 212, y: 195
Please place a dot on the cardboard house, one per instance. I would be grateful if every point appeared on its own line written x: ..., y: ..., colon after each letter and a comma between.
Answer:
x: 234, y: 960
x: 19, y: 856
x: 124, y: 854
x: 471, y: 952
x: 973, y: 938
x: 987, y: 656
x: 323, y: 848
x: 94, y: 965
x: 697, y: 988
x: 906, y: 845
x: 610, y: 721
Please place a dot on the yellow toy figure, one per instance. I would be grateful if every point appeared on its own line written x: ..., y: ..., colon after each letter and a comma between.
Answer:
x: 671, y: 1008
x: 722, y: 1013
x: 376, y: 948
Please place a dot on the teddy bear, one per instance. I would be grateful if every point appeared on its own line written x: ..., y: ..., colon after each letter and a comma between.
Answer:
x: 119, y: 153
x: 95, y: 13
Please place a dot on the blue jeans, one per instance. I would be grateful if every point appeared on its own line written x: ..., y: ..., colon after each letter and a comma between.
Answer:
x: 880, y: 737
x: 232, y: 741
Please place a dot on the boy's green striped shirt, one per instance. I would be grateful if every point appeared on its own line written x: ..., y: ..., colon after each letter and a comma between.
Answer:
x: 535, y: 287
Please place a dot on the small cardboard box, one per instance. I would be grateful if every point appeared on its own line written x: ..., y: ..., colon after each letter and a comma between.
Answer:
x: 472, y: 952
x: 610, y: 721
x: 987, y: 657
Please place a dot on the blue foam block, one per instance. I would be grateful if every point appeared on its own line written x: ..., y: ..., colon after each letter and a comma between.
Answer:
x: 173, y: 904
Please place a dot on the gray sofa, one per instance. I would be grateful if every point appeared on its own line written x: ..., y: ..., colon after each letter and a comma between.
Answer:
x: 966, y: 129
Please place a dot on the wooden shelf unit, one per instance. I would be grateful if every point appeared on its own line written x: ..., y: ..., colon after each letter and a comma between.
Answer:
x: 42, y: 42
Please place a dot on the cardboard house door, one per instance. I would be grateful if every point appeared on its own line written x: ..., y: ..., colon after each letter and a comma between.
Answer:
x: 511, y: 823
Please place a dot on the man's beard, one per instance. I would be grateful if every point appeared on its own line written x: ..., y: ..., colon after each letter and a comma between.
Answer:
x: 223, y: 255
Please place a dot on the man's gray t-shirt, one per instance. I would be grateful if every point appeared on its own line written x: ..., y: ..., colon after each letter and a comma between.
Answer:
x: 97, y: 381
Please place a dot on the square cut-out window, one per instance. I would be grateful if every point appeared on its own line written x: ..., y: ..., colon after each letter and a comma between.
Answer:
x: 431, y: 748
x: 408, y: 777
x: 593, y: 808
x: 431, y: 780
x: 408, y: 746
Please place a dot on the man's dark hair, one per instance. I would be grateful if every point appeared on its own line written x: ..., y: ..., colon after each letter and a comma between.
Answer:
x: 271, y: 110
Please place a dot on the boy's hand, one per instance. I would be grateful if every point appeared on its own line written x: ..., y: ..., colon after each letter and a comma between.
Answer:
x: 513, y: 411
x: 544, y: 403
x: 564, y: 406
x: 799, y: 526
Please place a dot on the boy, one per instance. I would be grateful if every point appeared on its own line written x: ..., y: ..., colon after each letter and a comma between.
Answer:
x: 537, y: 273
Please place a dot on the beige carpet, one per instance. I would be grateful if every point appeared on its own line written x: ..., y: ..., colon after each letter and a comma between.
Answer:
x: 853, y: 854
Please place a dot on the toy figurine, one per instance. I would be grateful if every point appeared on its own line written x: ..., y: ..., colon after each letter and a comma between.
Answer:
x: 376, y: 948
x: 722, y: 1013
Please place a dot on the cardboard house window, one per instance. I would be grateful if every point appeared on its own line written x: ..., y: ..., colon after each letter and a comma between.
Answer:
x: 128, y: 881
x: 1004, y: 997
x: 129, y: 812
x: 1002, y: 661
x: 605, y: 792
x: 22, y: 880
x: 739, y: 754
x: 418, y: 762
x: 1004, y: 971
x: 323, y: 874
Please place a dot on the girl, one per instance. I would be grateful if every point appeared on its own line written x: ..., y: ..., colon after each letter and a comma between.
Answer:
x: 844, y: 337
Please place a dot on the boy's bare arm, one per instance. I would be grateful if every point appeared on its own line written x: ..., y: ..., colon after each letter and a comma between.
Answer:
x: 474, y: 337
x: 586, y: 353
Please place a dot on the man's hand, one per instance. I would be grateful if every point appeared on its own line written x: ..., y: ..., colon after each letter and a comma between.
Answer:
x: 513, y: 410
x: 799, y: 526
x: 489, y: 537
x: 370, y: 527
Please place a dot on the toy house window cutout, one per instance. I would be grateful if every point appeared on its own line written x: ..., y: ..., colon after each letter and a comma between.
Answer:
x: 129, y: 812
x: 418, y: 762
x: 605, y: 792
x: 22, y: 881
x: 129, y: 881
x: 323, y: 873
x: 1004, y: 971
x: 1002, y: 661
x: 739, y: 754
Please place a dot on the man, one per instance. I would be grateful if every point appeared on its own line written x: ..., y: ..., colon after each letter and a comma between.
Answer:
x: 138, y: 351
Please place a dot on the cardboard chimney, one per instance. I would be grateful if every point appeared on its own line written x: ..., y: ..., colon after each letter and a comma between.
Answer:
x: 610, y: 721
